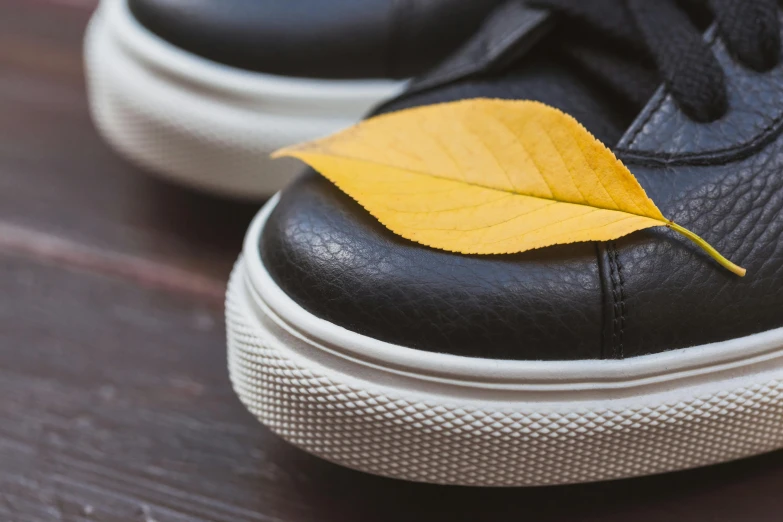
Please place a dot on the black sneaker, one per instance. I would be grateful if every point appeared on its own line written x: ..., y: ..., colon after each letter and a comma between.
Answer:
x: 203, y: 92
x: 572, y: 363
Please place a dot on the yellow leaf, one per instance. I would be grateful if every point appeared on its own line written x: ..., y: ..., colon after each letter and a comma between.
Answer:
x: 487, y: 177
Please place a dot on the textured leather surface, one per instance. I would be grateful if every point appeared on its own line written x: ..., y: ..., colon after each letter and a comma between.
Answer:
x: 672, y: 295
x: 648, y: 292
x: 723, y: 181
x: 339, y: 263
x: 336, y: 261
x: 664, y: 133
x: 317, y: 38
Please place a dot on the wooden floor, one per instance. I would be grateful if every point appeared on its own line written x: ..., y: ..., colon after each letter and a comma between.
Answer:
x: 114, y: 399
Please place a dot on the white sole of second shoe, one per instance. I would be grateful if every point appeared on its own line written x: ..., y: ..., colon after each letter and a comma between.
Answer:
x: 433, y: 417
x: 204, y: 124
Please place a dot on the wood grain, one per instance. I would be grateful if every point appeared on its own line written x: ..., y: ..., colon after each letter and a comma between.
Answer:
x: 115, y: 403
x: 56, y: 176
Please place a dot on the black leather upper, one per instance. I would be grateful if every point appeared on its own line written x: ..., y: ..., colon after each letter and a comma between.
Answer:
x: 317, y: 38
x: 648, y: 292
x: 339, y: 263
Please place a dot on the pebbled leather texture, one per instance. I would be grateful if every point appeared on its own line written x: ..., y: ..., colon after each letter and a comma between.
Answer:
x: 674, y: 295
x: 648, y: 292
x: 340, y: 264
x: 723, y: 181
x: 317, y: 38
x: 664, y: 134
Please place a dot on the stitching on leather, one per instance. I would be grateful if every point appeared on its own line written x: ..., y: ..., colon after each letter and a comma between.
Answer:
x: 615, y: 299
x: 622, y: 300
x: 706, y: 158
x: 618, y: 302
x: 661, y: 98
x: 600, y: 250
x: 767, y: 134
x: 662, y: 95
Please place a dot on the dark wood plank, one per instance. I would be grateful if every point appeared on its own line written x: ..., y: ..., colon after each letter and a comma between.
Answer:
x: 115, y: 405
x: 58, y: 177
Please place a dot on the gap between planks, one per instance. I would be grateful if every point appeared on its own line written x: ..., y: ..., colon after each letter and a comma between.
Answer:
x: 46, y: 248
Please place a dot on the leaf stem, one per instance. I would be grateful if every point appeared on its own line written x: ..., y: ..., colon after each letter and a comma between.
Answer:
x: 707, y: 248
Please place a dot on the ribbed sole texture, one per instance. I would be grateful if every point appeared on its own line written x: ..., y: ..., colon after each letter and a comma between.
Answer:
x: 446, y: 439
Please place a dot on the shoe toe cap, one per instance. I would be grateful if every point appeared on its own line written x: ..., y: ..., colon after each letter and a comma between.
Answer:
x: 340, y: 264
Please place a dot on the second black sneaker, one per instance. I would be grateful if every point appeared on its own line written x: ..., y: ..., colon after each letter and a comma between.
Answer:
x: 571, y: 363
x: 202, y: 91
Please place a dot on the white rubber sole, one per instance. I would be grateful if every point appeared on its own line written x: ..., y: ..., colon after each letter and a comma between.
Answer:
x: 204, y: 124
x: 431, y: 417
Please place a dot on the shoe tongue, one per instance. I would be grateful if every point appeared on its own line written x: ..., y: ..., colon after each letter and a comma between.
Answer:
x: 594, y: 80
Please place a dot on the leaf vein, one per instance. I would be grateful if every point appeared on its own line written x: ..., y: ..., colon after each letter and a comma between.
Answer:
x: 451, y: 180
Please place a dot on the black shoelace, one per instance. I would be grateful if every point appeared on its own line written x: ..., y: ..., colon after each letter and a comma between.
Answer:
x: 669, y: 34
